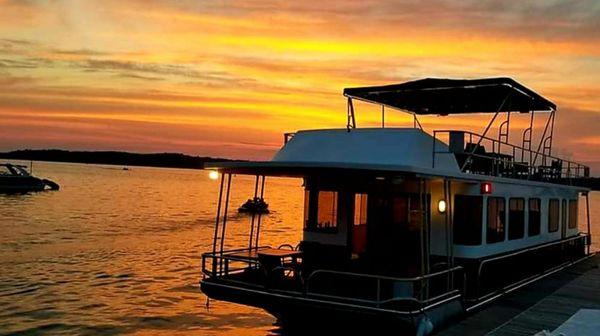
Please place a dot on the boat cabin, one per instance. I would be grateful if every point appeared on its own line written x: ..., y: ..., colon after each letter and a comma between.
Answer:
x: 405, y: 224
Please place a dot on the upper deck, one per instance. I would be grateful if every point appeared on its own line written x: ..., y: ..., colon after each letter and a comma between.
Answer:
x: 457, y: 153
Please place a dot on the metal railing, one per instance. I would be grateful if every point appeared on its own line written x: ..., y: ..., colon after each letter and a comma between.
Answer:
x: 421, y: 297
x: 221, y: 262
x: 505, y: 159
x: 581, y: 238
x: 421, y: 294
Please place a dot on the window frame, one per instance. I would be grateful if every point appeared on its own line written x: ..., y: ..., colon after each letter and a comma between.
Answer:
x: 358, y: 205
x: 557, y: 218
x: 529, y: 217
x: 573, y: 214
x: 468, y: 240
x: 502, y: 220
x: 313, y: 216
x: 510, y: 222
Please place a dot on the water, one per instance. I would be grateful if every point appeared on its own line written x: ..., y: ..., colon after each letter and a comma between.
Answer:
x: 118, y: 251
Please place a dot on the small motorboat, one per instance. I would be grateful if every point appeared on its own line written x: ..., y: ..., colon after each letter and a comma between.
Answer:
x: 255, y: 205
x: 16, y: 179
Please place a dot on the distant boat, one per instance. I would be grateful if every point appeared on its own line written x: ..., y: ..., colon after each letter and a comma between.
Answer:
x: 125, y: 168
x: 255, y: 205
x: 16, y: 179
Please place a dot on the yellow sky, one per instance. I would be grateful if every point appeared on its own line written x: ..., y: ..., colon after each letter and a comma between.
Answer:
x: 227, y: 78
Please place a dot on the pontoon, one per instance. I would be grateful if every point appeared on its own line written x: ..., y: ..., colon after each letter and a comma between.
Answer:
x: 405, y: 226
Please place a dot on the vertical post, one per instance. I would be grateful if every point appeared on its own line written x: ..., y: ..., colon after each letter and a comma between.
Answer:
x: 426, y: 216
x: 551, y: 132
x: 450, y: 211
x: 423, y: 233
x: 433, y: 150
x: 253, y: 214
x: 378, y: 291
x: 224, y: 226
x: 262, y: 193
x: 541, y: 141
x: 216, y: 234
x: 218, y: 214
x: 447, y: 227
x: 382, y: 116
x: 589, y: 224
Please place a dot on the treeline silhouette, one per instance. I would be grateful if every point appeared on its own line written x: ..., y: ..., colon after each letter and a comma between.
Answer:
x: 171, y: 160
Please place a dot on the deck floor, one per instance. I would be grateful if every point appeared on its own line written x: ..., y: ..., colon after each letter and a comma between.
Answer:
x: 543, y: 305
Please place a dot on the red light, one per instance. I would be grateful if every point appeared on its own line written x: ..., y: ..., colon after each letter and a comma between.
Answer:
x: 486, y: 188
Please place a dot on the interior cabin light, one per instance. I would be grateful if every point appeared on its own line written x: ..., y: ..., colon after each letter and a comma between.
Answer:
x: 442, y: 206
x: 213, y: 175
x: 486, y: 188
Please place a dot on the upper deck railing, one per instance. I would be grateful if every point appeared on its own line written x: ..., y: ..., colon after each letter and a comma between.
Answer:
x: 477, y: 154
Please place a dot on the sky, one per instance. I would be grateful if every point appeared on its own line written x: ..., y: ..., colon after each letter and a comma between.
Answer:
x: 228, y: 78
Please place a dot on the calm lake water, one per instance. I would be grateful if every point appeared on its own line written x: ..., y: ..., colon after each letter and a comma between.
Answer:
x: 118, y: 251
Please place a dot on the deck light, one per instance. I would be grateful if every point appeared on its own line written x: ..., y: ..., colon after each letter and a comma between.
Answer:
x: 486, y: 188
x: 213, y: 175
x: 442, y: 206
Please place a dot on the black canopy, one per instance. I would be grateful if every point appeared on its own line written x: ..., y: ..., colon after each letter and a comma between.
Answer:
x: 453, y: 96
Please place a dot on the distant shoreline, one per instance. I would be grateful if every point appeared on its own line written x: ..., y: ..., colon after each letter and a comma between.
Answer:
x: 159, y: 160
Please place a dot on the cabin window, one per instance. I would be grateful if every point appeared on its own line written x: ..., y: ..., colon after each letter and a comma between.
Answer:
x: 563, y: 216
x: 359, y: 230
x: 573, y: 214
x: 496, y: 218
x: 534, y: 216
x: 360, y: 209
x: 516, y: 218
x: 553, y: 212
x: 327, y: 211
x: 467, y: 219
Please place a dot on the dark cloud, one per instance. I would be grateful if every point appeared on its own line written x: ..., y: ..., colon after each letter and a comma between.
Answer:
x: 80, y: 52
x: 134, y: 76
x: 568, y: 20
x: 18, y: 64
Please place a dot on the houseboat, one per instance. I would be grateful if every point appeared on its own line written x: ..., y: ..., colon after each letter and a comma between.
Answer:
x: 405, y: 226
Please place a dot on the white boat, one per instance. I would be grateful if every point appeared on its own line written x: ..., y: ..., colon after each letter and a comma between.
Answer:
x: 405, y: 226
x: 17, y: 179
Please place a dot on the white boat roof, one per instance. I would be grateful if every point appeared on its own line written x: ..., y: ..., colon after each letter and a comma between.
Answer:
x: 371, y: 150
x: 384, y: 149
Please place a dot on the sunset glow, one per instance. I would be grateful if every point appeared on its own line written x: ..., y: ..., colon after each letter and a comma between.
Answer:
x: 228, y: 78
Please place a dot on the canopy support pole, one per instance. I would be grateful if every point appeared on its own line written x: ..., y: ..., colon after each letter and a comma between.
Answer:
x: 258, y: 222
x: 224, y: 223
x: 485, y: 131
x: 382, y: 116
x: 542, y: 140
x: 527, y: 137
x: 253, y: 213
x: 416, y: 122
x: 351, y: 122
x: 216, y: 233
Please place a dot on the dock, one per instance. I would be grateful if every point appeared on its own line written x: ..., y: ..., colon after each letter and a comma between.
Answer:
x: 543, y: 305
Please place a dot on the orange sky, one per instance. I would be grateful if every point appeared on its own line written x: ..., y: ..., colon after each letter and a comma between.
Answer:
x: 227, y: 78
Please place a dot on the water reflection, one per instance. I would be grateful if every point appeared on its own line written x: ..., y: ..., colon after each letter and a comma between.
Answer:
x: 118, y: 251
